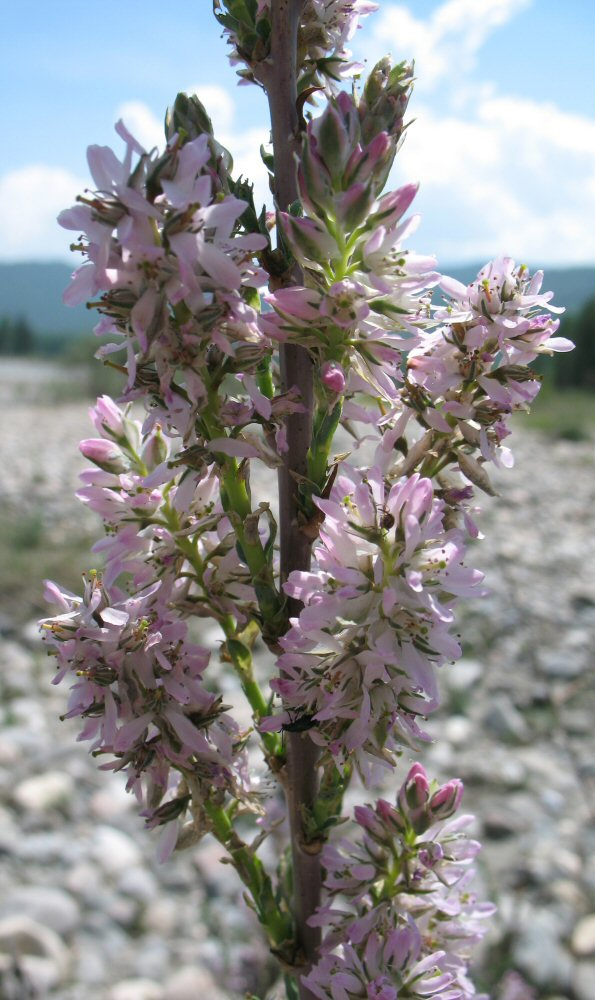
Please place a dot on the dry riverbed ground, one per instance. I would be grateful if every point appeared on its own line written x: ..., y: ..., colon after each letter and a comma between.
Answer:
x: 81, y: 899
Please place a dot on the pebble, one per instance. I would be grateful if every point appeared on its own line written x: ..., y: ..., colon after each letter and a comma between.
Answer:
x: 44, y: 791
x: 136, y: 989
x: 17, y: 669
x: 583, y: 937
x: 113, y: 850
x: 191, y: 982
x: 538, y: 952
x: 47, y: 905
x: 38, y: 949
x: 558, y: 664
x: 505, y: 721
x: 584, y: 981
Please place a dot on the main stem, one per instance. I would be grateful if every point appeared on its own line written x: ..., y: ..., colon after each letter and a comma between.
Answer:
x: 296, y: 370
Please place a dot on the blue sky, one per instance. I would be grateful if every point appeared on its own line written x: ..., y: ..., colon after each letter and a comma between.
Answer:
x: 503, y: 143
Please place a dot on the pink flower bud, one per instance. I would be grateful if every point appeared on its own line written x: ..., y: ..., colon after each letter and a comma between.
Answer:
x: 104, y: 454
x: 413, y: 798
x: 154, y: 449
x: 332, y: 377
x: 308, y: 239
x: 446, y: 800
x: 108, y: 417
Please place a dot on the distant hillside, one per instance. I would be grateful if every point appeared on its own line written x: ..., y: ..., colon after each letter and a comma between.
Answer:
x: 33, y: 291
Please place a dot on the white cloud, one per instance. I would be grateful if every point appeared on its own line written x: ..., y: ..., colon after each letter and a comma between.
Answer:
x: 498, y: 173
x: 219, y: 103
x: 444, y: 45
x: 518, y: 178
x: 30, y: 200
x: 143, y: 123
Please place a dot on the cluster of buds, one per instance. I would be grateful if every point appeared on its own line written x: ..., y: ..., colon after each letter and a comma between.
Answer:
x: 406, y: 920
x: 325, y: 27
x: 365, y: 298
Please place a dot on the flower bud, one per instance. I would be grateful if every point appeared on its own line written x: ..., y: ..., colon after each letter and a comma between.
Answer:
x: 385, y: 99
x: 105, y: 455
x: 108, y: 418
x: 314, y: 181
x: 307, y: 239
x: 154, y: 449
x: 446, y: 800
x: 332, y: 377
x: 336, y: 133
x: 371, y: 164
x: 413, y: 798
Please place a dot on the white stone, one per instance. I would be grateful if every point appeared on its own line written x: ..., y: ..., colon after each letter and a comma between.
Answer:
x: 44, y: 791
x: 114, y: 850
x: 136, y: 989
x: 583, y: 936
x: 111, y: 801
x: 457, y: 730
x: 162, y: 916
x: 190, y: 982
x: 461, y: 676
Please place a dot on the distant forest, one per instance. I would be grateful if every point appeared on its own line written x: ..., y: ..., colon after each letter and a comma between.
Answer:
x: 34, y: 321
x: 576, y: 369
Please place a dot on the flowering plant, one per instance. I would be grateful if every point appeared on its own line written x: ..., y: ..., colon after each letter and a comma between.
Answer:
x: 359, y: 343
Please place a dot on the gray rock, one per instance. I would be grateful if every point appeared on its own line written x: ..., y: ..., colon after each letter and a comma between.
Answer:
x: 584, y: 981
x: 52, y: 907
x: 505, y: 721
x: 31, y: 635
x: 43, y: 848
x: 16, y: 669
x: 111, y: 801
x: 162, y: 916
x: 462, y: 675
x: 539, y: 954
x: 458, y: 730
x: 138, y: 883
x: 149, y: 956
x: 560, y: 664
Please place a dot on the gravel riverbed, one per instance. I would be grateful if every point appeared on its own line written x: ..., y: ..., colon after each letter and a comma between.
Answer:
x: 87, y: 914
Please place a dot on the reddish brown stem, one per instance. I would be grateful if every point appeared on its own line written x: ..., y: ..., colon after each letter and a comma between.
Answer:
x: 296, y: 370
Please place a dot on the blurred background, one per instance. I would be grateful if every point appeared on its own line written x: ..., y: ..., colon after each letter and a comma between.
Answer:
x: 503, y: 146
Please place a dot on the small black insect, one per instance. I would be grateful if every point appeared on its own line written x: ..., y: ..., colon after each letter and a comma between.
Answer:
x: 387, y: 520
x: 300, y: 724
